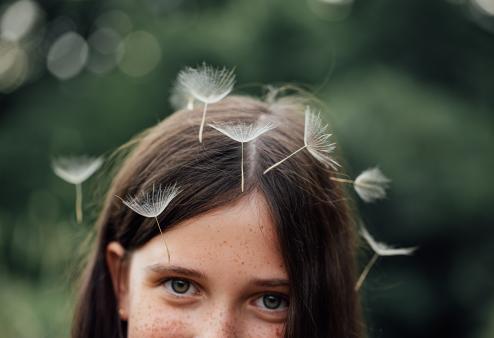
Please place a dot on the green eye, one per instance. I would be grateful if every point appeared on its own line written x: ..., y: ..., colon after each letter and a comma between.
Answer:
x: 179, y: 285
x: 273, y: 302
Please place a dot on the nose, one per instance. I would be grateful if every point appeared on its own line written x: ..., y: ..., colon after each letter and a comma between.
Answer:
x: 221, y: 323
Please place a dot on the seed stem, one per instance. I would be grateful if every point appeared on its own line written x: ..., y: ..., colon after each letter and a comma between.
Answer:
x: 342, y: 180
x: 283, y: 160
x: 365, y: 272
x: 242, y: 166
x: 78, y: 202
x: 163, y: 237
x: 202, y: 122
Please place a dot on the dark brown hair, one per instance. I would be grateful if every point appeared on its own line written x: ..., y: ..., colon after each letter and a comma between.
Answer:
x: 310, y: 211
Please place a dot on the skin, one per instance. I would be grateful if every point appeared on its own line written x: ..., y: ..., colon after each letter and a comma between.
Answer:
x: 226, y: 266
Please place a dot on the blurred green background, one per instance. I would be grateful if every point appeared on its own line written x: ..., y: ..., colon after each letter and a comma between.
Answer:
x: 409, y: 85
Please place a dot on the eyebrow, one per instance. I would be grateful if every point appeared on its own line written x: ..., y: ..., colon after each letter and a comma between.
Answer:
x: 161, y: 268
x: 276, y: 282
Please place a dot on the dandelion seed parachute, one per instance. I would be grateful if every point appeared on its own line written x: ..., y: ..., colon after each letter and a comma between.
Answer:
x: 208, y: 85
x: 316, y: 141
x: 152, y: 203
x: 76, y: 170
x: 370, y: 185
x: 181, y: 98
x: 380, y: 249
x: 243, y: 133
x: 383, y: 249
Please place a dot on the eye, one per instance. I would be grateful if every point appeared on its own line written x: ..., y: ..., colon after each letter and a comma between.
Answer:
x: 180, y: 287
x: 272, y: 302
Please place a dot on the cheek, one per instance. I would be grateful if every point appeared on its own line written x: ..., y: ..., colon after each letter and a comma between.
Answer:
x: 168, y: 325
x: 150, y: 322
x: 166, y: 322
x: 149, y: 317
x: 263, y: 331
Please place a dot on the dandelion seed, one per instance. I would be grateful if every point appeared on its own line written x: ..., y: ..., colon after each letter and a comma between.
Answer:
x: 380, y: 249
x: 208, y: 85
x: 152, y: 204
x: 316, y: 141
x: 76, y: 170
x: 243, y: 133
x: 181, y: 98
x: 370, y: 185
x: 383, y: 249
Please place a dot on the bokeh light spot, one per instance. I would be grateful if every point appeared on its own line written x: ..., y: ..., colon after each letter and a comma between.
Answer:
x: 139, y: 53
x: 103, y: 45
x: 14, y: 65
x: 67, y: 56
x: 18, y: 20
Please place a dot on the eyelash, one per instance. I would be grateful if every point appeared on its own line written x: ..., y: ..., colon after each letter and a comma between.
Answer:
x: 259, y: 301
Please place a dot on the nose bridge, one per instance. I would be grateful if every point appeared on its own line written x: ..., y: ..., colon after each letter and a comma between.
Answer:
x: 221, y: 322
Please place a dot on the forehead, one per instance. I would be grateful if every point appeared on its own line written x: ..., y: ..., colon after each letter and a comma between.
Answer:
x: 237, y: 240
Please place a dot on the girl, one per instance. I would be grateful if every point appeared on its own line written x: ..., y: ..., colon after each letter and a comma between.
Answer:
x: 276, y: 260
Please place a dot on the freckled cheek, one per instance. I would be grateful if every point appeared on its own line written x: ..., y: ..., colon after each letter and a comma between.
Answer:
x: 159, y: 322
x: 280, y: 331
x: 151, y: 320
x: 151, y: 317
x: 263, y: 330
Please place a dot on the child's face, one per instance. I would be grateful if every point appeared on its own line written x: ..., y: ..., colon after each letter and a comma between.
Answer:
x: 226, y: 278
